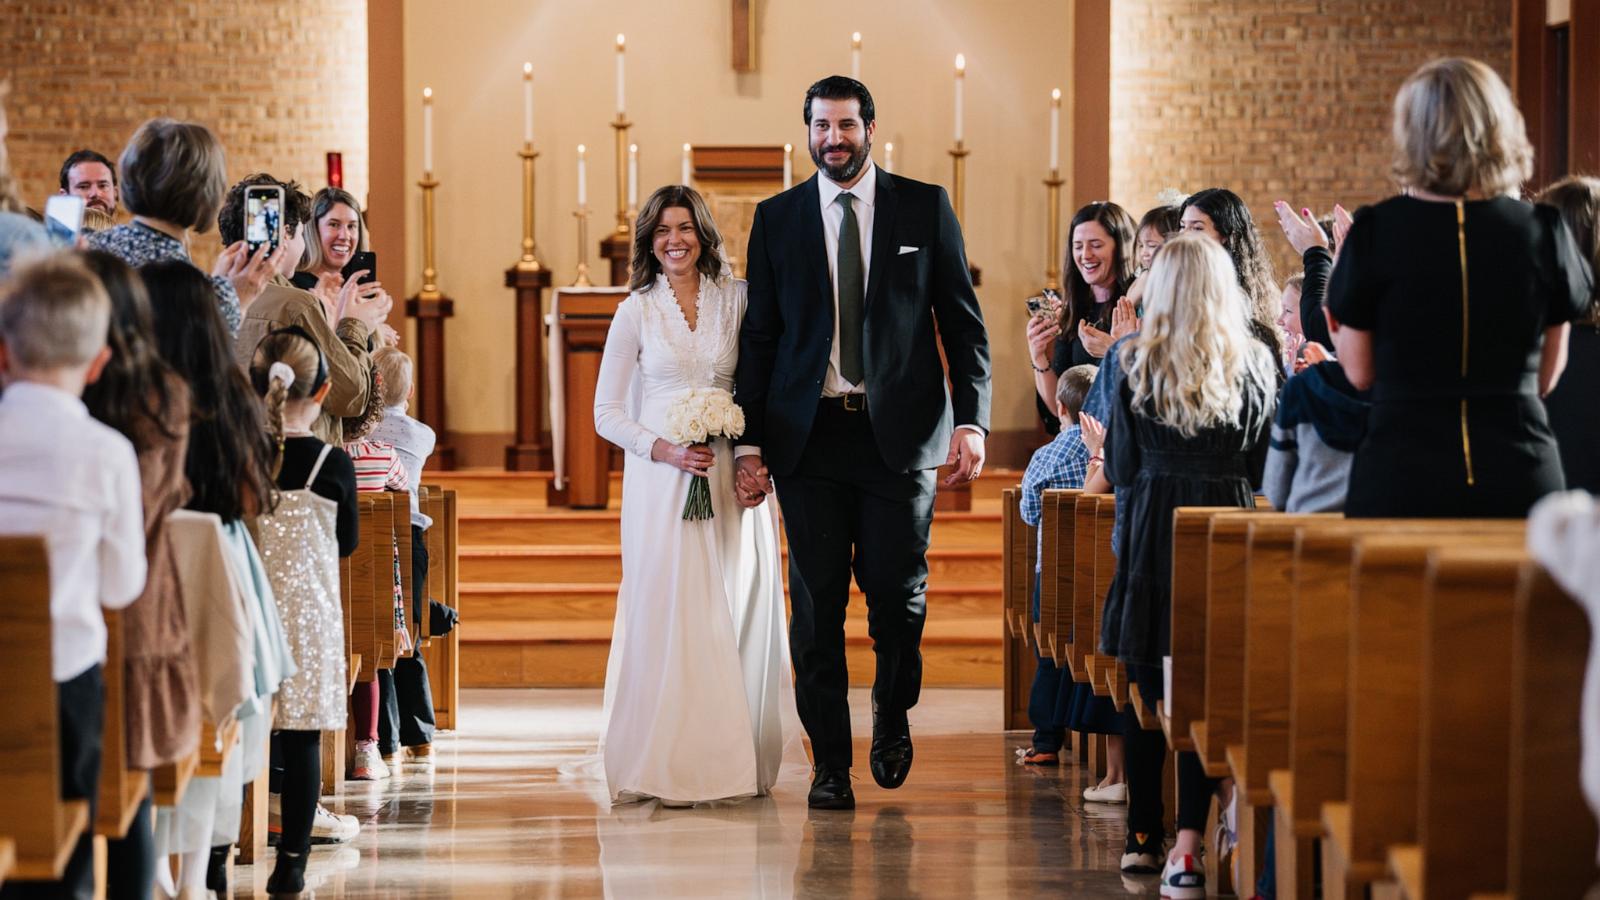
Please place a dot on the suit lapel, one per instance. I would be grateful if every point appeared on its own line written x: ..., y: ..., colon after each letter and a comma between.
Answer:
x: 814, y: 247
x: 882, y: 227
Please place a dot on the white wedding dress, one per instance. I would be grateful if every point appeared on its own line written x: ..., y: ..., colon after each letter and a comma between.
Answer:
x: 698, y: 695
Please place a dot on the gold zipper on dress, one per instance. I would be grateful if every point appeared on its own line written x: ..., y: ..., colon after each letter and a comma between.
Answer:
x: 1461, y: 240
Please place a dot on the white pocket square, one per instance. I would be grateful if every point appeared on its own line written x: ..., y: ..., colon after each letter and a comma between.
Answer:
x: 904, y: 250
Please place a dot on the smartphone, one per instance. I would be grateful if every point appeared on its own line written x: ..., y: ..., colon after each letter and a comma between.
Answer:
x: 263, y: 216
x: 63, y: 218
x: 1045, y: 304
x: 363, y: 260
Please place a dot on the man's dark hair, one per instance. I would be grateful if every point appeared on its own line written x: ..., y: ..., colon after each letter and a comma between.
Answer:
x: 840, y: 87
x: 230, y: 220
x: 83, y: 156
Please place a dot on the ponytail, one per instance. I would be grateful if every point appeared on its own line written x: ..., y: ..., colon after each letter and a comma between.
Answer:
x: 277, y: 394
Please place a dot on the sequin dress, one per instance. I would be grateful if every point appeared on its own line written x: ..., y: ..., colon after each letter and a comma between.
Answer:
x: 300, y: 545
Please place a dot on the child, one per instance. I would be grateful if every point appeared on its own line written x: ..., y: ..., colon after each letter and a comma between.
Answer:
x: 1187, y: 427
x: 314, y: 524
x: 1289, y: 320
x: 1057, y: 703
x: 76, y: 482
x: 406, y: 713
x: 1321, y: 418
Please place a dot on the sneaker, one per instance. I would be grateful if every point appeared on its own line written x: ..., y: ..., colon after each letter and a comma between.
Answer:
x: 368, y: 766
x: 330, y: 828
x: 1141, y: 854
x: 1107, y: 793
x: 1183, y: 879
x: 421, y: 754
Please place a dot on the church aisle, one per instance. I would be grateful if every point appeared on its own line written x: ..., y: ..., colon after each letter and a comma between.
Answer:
x: 512, y: 811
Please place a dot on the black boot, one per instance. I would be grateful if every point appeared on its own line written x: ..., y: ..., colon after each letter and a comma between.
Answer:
x: 288, y: 875
x: 217, y: 869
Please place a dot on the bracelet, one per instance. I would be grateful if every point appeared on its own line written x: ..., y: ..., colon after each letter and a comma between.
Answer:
x: 1037, y: 369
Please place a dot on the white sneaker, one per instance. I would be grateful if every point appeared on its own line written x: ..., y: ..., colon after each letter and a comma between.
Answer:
x: 328, y: 827
x: 1107, y: 793
x: 1183, y: 879
x: 369, y: 764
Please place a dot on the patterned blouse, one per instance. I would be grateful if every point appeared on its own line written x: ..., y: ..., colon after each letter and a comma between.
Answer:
x: 138, y: 245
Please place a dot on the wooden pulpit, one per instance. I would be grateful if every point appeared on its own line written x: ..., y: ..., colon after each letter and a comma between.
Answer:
x: 580, y: 321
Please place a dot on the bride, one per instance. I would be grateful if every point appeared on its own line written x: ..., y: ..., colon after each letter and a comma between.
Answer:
x: 697, y: 688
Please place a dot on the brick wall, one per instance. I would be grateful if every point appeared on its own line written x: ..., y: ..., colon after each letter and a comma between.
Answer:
x: 1276, y: 98
x: 281, y: 82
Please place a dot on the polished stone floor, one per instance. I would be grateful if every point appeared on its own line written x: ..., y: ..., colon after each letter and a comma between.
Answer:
x: 513, y: 809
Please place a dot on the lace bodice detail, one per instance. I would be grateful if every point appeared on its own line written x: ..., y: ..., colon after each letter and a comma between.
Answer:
x: 695, y: 353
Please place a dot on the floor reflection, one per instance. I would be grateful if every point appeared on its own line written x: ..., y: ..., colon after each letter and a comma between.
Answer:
x: 515, y: 808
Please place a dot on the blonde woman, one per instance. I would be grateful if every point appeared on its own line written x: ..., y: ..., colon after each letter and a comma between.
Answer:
x: 1188, y: 426
x: 1455, y: 301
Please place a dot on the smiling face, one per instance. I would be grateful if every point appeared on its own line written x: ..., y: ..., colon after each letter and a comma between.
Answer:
x: 1289, y: 317
x: 1150, y: 240
x: 1195, y: 219
x: 340, y: 234
x: 676, y: 244
x: 1094, y: 253
x: 840, y: 142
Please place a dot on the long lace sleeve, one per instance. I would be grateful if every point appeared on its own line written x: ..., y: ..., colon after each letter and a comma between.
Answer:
x: 617, y: 369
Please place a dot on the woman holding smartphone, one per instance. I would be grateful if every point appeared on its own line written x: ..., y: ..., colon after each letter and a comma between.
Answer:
x: 337, y: 233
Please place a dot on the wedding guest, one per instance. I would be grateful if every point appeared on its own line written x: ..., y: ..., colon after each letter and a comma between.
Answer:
x: 1221, y: 215
x: 1289, y: 321
x: 20, y: 234
x: 1157, y: 225
x: 405, y: 712
x: 338, y: 231
x: 345, y: 345
x: 174, y: 178
x: 74, y: 481
x: 89, y: 175
x: 1457, y: 427
x: 140, y: 396
x: 314, y: 525
x: 1570, y: 404
x: 1189, y: 427
x: 1315, y: 240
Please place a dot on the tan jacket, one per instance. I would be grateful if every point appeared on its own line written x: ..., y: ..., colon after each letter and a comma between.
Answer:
x: 346, y: 349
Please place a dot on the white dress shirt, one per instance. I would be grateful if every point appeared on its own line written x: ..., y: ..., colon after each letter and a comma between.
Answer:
x: 75, y: 482
x: 413, y: 443
x: 866, y: 194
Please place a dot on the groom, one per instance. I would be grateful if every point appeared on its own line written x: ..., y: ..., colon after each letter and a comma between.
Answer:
x: 855, y: 279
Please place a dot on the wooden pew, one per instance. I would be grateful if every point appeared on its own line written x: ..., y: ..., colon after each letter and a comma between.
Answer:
x: 1014, y: 648
x: 1085, y: 636
x: 1183, y: 711
x: 122, y: 789
x: 1112, y: 674
x: 1060, y: 561
x: 1049, y: 576
x: 42, y: 827
x: 444, y: 657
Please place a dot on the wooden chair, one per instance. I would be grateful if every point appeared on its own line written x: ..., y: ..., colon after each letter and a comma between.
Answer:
x: 42, y: 827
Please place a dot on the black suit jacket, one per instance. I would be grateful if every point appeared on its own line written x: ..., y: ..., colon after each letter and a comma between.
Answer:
x: 788, y: 326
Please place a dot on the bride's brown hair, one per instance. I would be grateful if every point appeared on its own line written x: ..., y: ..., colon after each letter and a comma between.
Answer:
x: 645, y: 265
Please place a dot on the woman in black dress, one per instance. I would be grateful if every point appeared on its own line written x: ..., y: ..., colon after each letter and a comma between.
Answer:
x: 1100, y: 264
x: 1455, y: 301
x: 1188, y: 426
x: 1571, y: 404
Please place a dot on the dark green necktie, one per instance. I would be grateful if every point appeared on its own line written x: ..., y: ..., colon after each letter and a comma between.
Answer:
x: 852, y: 291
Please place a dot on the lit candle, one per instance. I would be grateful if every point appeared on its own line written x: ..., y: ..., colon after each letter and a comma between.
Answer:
x: 684, y: 178
x: 1055, y: 129
x: 961, y: 80
x: 888, y: 156
x: 427, y: 130
x: 527, y: 103
x: 788, y: 166
x: 633, y: 176
x: 855, y: 55
x: 622, y: 55
x: 583, y: 179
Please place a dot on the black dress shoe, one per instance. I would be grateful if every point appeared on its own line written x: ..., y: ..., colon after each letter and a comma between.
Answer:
x: 891, y: 750
x: 830, y: 789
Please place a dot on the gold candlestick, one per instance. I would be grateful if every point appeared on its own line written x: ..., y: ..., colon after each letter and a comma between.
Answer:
x: 621, y: 125
x: 1053, y: 252
x: 582, y: 215
x: 530, y: 253
x: 958, y: 183
x: 430, y: 287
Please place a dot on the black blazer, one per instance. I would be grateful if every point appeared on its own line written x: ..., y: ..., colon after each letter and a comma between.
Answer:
x: 788, y: 327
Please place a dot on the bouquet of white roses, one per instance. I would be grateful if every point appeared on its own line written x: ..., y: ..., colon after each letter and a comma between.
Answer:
x: 695, y: 417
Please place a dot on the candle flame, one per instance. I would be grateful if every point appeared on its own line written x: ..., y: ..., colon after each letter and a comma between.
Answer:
x: 582, y: 150
x: 633, y: 148
x: 427, y: 93
x: 527, y: 70
x: 686, y: 148
x: 961, y: 63
x: 622, y: 42
x: 788, y: 148
x: 1055, y: 95
x: 855, y: 39
x: 889, y: 147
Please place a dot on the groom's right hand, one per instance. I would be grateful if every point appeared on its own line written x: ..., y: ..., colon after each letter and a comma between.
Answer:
x: 752, y: 483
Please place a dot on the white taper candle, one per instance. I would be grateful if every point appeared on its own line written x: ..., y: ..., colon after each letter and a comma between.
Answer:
x: 788, y: 166
x: 855, y: 55
x: 527, y: 103
x: 427, y: 129
x: 684, y: 177
x: 622, y: 55
x: 633, y: 176
x: 1055, y: 129
x: 888, y: 156
x: 583, y: 179
x: 961, y: 81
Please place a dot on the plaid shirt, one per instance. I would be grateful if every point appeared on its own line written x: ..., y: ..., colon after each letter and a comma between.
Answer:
x: 1061, y: 464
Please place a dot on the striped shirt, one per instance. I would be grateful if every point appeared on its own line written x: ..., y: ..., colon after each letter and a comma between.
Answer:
x: 378, y: 467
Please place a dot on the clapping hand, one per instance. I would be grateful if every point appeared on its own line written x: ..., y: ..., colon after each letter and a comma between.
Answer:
x: 1124, y: 319
x: 1312, y: 354
x: 1093, y: 433
x: 1342, y: 220
x: 1094, y: 340
x: 248, y: 272
x: 1303, y: 233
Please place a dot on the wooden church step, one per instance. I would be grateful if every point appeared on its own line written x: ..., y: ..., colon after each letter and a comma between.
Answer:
x: 516, y: 601
x: 600, y: 563
x: 494, y: 484
x: 489, y: 524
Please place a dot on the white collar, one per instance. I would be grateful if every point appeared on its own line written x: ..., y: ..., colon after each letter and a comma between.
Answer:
x: 865, y: 190
x: 32, y: 393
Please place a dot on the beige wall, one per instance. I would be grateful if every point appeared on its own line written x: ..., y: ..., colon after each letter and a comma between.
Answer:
x: 281, y: 82
x: 681, y: 88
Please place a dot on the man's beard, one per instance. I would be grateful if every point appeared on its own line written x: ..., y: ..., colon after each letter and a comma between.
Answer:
x: 102, y: 205
x: 847, y: 170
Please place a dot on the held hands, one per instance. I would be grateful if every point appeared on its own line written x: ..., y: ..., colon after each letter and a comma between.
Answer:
x: 1094, y: 340
x: 751, y: 481
x: 1042, y: 334
x: 696, y: 459
x: 1093, y: 432
x: 966, y: 455
x: 248, y: 272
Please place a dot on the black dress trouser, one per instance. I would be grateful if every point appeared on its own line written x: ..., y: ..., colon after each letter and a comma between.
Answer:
x: 846, y: 511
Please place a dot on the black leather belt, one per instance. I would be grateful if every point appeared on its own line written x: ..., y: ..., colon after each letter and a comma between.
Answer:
x: 848, y: 402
